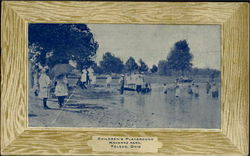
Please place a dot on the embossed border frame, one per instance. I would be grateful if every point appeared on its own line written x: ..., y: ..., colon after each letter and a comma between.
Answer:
x: 18, y: 139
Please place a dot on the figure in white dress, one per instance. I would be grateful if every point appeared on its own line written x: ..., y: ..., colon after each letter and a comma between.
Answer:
x: 108, y: 81
x: 44, y: 82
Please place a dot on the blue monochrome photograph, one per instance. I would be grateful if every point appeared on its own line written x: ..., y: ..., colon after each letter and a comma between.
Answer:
x: 124, y: 76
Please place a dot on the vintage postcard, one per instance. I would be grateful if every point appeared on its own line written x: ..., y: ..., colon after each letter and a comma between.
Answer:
x: 124, y: 76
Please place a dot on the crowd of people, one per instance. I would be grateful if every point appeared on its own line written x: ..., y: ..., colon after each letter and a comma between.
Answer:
x: 193, y: 89
x: 130, y: 82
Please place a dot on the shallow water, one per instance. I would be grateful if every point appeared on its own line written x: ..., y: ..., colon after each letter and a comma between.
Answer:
x: 105, y: 107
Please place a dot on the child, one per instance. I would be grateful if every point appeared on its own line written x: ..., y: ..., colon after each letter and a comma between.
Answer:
x: 190, y: 91
x: 44, y: 82
x: 122, y: 82
x: 108, y: 81
x: 177, y: 91
x: 165, y: 89
x: 215, y: 91
x: 61, y: 90
x: 208, y: 87
x: 83, y: 79
x: 196, y: 91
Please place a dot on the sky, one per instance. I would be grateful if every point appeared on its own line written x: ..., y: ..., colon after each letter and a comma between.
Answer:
x: 152, y: 43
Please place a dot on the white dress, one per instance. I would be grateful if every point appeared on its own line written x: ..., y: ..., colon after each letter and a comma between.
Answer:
x: 177, y: 92
x: 92, y: 78
x: 84, y: 77
x: 61, y: 88
x: 109, y: 80
x: 44, y: 82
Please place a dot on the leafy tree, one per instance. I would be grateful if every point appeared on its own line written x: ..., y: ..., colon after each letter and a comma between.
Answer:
x: 97, y: 69
x: 64, y: 42
x: 111, y: 64
x: 162, y: 67
x: 179, y: 58
x: 143, y: 67
x: 154, y: 69
x: 131, y: 65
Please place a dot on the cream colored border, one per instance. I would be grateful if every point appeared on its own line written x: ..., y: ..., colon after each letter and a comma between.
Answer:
x: 231, y: 139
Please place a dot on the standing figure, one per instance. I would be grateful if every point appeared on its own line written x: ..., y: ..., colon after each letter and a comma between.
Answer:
x: 36, y: 86
x: 165, y: 89
x: 61, y: 90
x: 83, y: 79
x: 44, y: 82
x: 93, y: 79
x: 215, y: 91
x: 196, y: 91
x: 190, y: 91
x: 122, y: 82
x: 90, y: 73
x: 208, y: 87
x: 139, y: 83
x: 108, y: 81
x: 177, y: 91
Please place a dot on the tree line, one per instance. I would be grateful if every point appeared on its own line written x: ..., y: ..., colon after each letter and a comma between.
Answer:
x: 112, y: 64
x: 51, y: 44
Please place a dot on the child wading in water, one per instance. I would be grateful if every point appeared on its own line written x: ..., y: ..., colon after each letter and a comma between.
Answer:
x: 165, y: 89
x: 61, y: 90
x: 196, y: 91
x: 177, y: 91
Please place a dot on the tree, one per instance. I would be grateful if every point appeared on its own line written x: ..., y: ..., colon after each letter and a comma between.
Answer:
x: 65, y: 42
x: 162, y: 67
x: 111, y: 64
x: 143, y: 67
x: 154, y: 69
x: 179, y: 58
x: 131, y: 65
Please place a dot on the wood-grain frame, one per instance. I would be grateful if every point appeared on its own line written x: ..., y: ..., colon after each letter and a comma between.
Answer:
x: 18, y: 139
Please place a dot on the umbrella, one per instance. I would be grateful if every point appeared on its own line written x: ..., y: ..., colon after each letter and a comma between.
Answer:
x: 59, y: 69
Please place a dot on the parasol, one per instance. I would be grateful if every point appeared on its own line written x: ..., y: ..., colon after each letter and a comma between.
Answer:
x: 59, y: 69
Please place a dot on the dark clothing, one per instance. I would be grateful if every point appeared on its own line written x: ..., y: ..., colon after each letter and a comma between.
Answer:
x: 196, y: 95
x: 61, y: 100
x: 122, y: 82
x: 208, y: 87
x: 81, y: 84
x: 215, y: 94
x: 45, y: 103
x: 138, y: 88
x: 122, y: 90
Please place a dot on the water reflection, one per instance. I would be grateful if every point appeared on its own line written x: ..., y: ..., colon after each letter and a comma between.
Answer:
x: 167, y: 111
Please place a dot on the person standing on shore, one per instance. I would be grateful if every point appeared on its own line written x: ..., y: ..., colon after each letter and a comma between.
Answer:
x: 108, y: 81
x: 122, y: 83
x: 44, y: 82
x: 83, y: 79
x: 61, y: 90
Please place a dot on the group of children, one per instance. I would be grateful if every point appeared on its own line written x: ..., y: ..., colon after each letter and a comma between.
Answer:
x: 131, y: 82
x: 44, y: 85
x: 87, y: 77
x: 194, y: 89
